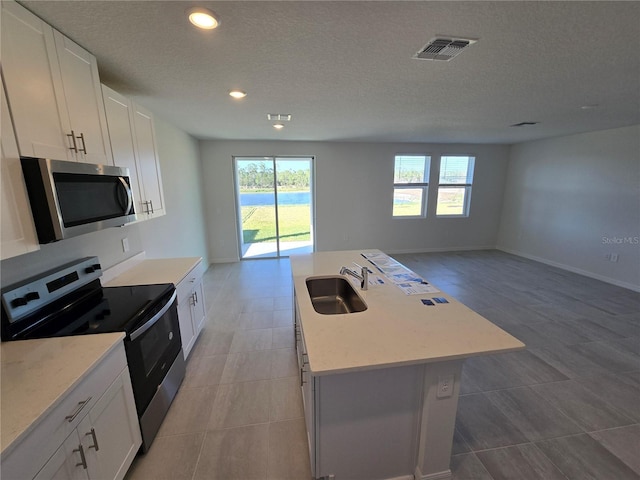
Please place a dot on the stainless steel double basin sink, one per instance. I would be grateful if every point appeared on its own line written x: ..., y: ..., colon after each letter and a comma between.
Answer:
x: 334, y: 295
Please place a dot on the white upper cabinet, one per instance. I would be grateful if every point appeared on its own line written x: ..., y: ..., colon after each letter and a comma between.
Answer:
x: 148, y: 161
x: 83, y: 98
x: 32, y: 76
x: 119, y: 121
x: 133, y: 143
x: 53, y: 91
x: 17, y: 231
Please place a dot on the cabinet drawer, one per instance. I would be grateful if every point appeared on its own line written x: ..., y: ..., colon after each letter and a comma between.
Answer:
x: 191, y: 279
x: 50, y: 430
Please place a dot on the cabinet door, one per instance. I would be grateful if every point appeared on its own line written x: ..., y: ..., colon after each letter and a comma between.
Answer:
x: 148, y: 160
x: 199, y: 310
x: 119, y: 118
x: 17, y: 232
x: 187, y: 333
x: 83, y: 97
x: 68, y: 463
x: 308, y: 382
x: 32, y: 76
x: 110, y: 433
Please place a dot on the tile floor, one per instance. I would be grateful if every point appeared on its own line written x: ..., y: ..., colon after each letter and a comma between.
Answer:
x: 567, y: 407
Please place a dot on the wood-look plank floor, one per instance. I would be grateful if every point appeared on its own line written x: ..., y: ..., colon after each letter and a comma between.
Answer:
x: 567, y: 407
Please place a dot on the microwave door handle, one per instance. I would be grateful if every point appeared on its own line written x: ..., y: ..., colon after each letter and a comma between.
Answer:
x: 147, y: 325
x: 129, y: 193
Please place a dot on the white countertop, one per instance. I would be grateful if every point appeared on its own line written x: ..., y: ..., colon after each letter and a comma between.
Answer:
x: 395, y: 330
x: 156, y: 270
x: 36, y: 374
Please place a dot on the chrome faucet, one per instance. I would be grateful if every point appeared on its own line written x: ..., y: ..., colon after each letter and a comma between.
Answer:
x: 363, y: 277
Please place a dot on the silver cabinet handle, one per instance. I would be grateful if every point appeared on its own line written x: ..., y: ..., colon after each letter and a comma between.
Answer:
x: 73, y: 140
x: 83, y: 460
x: 84, y: 145
x: 149, y: 205
x: 195, y: 296
x: 78, y: 409
x: 95, y: 439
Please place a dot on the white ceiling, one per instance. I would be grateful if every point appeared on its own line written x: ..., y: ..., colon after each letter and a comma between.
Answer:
x: 345, y: 71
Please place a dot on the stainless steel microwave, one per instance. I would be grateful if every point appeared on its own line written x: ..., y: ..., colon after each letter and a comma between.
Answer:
x: 69, y: 198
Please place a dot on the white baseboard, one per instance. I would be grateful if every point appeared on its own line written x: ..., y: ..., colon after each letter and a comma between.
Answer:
x: 569, y: 268
x: 444, y: 475
x: 224, y: 260
x: 436, y: 250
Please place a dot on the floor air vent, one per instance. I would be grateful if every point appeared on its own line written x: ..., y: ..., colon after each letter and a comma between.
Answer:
x: 443, y: 48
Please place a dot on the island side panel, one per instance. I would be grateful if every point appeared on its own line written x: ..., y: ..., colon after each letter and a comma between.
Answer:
x: 438, y: 418
x: 368, y: 422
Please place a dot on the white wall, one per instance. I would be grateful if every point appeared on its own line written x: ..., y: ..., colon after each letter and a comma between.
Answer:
x: 354, y: 191
x: 179, y: 233
x: 566, y: 197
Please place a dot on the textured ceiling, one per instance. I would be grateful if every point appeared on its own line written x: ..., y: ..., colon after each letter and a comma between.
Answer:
x: 345, y: 71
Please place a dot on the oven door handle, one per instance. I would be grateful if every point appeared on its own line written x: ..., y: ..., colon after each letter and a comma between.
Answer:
x: 147, y: 325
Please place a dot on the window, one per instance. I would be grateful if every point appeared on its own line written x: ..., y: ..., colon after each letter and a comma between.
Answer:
x: 410, y: 183
x: 454, y: 186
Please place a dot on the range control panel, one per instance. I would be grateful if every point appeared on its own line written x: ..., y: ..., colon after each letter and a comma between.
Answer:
x: 33, y: 293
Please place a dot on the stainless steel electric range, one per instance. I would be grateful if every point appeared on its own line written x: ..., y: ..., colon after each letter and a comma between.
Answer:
x: 70, y: 300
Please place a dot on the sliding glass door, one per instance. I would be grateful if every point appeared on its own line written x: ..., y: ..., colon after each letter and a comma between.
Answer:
x: 275, y: 205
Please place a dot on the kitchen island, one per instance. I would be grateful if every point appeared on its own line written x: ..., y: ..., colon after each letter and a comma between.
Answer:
x: 380, y: 387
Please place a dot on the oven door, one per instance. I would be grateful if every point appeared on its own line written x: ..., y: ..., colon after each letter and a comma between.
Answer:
x: 151, y: 351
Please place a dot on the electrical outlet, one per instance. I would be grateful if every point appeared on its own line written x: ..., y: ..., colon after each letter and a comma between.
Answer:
x: 445, y: 386
x: 614, y: 257
x: 125, y: 244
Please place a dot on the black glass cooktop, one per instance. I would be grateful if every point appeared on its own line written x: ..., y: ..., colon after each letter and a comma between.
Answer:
x: 95, y: 309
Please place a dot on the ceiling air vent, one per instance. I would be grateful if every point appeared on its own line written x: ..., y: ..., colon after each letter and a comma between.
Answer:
x: 281, y: 117
x: 443, y: 48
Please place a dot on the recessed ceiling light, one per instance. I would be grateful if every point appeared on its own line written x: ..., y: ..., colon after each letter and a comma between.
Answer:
x: 203, y: 18
x: 238, y: 93
x: 278, y: 126
x: 589, y: 107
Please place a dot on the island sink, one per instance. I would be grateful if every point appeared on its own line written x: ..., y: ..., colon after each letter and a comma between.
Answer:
x: 334, y: 295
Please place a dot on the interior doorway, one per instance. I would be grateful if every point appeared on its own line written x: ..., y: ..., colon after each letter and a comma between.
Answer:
x: 274, y: 196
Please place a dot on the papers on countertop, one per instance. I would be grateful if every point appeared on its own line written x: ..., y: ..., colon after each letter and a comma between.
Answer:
x: 403, y: 278
x: 416, y: 288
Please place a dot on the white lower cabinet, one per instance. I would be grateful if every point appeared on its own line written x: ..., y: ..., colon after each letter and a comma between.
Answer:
x: 92, y: 434
x: 191, y: 308
x: 109, y: 434
x: 362, y: 425
x: 66, y: 463
x: 105, y: 441
x: 307, y: 385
